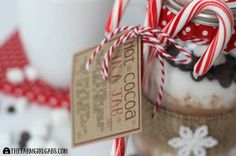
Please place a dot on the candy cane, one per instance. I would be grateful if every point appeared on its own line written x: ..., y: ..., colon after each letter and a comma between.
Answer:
x: 119, y: 146
x: 153, y: 13
x: 221, y: 39
x: 152, y: 20
x: 115, y: 15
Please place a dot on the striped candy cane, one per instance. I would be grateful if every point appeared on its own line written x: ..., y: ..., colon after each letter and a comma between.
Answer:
x: 119, y: 146
x: 153, y: 13
x: 221, y: 39
x: 115, y: 15
x: 152, y: 20
x: 113, y: 23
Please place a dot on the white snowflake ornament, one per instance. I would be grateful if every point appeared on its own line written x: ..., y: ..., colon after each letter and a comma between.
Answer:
x: 194, y: 143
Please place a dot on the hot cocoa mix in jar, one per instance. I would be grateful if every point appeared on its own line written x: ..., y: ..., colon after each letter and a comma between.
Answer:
x: 197, y: 116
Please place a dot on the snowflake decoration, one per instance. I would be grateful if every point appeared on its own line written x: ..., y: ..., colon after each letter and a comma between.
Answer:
x: 194, y: 143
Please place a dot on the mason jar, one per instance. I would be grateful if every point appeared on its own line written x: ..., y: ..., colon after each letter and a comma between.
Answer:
x: 197, y: 116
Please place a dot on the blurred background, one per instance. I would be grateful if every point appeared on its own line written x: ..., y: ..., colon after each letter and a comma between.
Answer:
x: 37, y: 41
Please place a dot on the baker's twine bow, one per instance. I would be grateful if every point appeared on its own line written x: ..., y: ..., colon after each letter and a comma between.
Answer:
x: 150, y: 37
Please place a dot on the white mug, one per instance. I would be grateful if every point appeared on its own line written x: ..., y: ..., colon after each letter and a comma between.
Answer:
x: 52, y: 31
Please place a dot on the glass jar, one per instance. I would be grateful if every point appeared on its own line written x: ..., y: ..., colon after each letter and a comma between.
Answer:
x: 200, y: 108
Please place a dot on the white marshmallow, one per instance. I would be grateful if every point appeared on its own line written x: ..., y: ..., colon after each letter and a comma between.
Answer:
x: 35, y: 143
x: 15, y: 75
x: 180, y: 56
x: 31, y: 73
x: 21, y: 104
x: 198, y: 50
x: 233, y: 54
x: 220, y: 60
x: 59, y: 117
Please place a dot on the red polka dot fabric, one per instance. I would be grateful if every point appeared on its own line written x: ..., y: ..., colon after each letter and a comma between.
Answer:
x: 12, y: 55
x: 195, y: 31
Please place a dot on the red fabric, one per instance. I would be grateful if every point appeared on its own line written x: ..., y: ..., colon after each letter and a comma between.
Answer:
x: 12, y: 55
x: 193, y: 30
